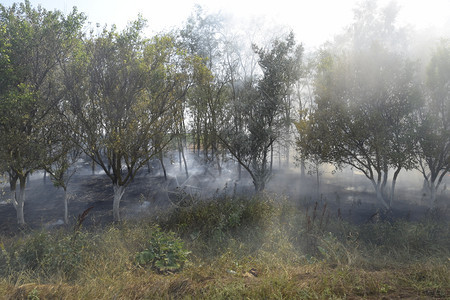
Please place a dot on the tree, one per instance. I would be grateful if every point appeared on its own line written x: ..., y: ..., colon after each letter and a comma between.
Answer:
x: 60, y: 156
x: 365, y: 101
x: 123, y: 90
x: 202, y: 37
x: 433, y: 133
x: 260, y: 106
x: 33, y: 42
x: 366, y: 96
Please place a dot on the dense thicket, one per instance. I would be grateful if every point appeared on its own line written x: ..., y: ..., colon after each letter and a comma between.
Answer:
x: 122, y: 98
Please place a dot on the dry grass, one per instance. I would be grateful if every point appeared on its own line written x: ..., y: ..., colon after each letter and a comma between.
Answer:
x: 295, y: 282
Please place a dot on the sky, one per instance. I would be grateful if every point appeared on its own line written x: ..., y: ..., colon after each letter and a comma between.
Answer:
x: 313, y: 21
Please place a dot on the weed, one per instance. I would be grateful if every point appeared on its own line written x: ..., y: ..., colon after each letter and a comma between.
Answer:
x: 33, y: 295
x: 165, y: 252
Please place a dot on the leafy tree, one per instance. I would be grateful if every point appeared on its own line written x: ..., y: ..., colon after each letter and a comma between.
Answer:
x: 366, y: 96
x: 202, y: 37
x: 123, y: 91
x: 60, y: 157
x: 433, y: 132
x: 365, y: 103
x: 303, y: 92
x: 33, y: 42
x: 261, y: 105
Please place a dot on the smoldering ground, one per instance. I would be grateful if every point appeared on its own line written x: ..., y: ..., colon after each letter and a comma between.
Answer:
x: 345, y: 194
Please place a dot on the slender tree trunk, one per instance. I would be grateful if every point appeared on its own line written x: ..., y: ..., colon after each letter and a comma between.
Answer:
x: 394, y: 181
x: 279, y: 156
x: 198, y: 136
x: 161, y: 159
x: 239, y: 169
x: 287, y: 154
x: 19, y: 201
x: 184, y: 161
x: 66, y: 206
x: 318, y: 180
x: 384, y: 182
x: 219, y: 167
x: 93, y: 167
x: 433, y: 189
x: 19, y: 212
x: 179, y: 154
x: 149, y: 169
x: 271, y: 157
x: 119, y: 190
x: 379, y: 192
x: 302, y: 168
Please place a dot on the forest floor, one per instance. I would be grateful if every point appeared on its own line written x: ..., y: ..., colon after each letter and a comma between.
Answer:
x: 349, y: 197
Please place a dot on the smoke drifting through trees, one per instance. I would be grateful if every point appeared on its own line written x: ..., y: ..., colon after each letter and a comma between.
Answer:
x: 123, y: 99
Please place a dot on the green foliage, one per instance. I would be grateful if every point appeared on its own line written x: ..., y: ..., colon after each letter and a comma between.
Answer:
x: 433, y: 132
x: 257, y: 115
x: 33, y: 42
x: 33, y: 295
x: 212, y: 224
x: 367, y: 93
x: 165, y: 252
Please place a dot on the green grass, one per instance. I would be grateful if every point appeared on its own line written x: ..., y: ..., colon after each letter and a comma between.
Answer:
x: 295, y: 254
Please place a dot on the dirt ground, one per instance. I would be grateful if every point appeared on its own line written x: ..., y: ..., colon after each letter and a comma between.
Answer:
x: 352, y: 200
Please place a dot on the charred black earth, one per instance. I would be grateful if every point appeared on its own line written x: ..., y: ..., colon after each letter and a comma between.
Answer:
x: 149, y: 193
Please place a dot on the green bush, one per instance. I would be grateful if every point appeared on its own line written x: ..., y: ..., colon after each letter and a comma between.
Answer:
x: 165, y: 252
x: 214, y: 220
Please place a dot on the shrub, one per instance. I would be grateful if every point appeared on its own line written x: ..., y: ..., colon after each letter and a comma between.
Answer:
x: 165, y: 252
x: 213, y: 220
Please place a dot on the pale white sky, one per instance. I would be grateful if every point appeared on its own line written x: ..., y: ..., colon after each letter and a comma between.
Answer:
x: 313, y: 21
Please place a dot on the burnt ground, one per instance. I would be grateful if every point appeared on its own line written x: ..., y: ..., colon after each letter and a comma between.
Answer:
x: 352, y: 200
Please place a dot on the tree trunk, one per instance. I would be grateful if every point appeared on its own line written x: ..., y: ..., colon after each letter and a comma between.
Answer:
x: 66, y: 207
x: 433, y: 189
x: 19, y: 212
x: 259, y: 185
x: 318, y: 181
x: 180, y: 148
x: 279, y: 156
x: 119, y: 190
x: 19, y: 201
x: 271, y: 157
x: 219, y: 166
x: 287, y: 154
x: 198, y: 136
x: 184, y: 161
x: 303, y: 168
x: 161, y: 159
x: 93, y: 167
x: 379, y: 192
x: 394, y: 181
x: 239, y: 169
x: 149, y: 168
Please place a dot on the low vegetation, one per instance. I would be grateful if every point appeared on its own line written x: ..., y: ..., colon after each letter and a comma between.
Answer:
x: 233, y: 248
